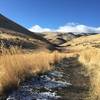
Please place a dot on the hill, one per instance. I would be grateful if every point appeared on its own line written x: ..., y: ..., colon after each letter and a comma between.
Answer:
x: 58, y: 38
x: 20, y: 36
x: 83, y: 42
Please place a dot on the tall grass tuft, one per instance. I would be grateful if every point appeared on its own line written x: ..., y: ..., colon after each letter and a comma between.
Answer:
x: 16, y: 66
x: 91, y: 61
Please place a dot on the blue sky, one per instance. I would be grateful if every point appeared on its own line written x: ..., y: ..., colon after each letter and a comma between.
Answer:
x: 53, y: 14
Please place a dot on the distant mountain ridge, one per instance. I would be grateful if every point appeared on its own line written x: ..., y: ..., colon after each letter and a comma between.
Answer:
x: 59, y: 38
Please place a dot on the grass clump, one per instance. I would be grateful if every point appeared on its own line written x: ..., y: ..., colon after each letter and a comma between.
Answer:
x: 91, y: 60
x: 16, y: 66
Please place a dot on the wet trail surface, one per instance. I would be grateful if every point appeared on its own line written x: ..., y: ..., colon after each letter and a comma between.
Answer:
x: 66, y: 82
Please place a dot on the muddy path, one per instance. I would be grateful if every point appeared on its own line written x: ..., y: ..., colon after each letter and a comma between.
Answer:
x: 66, y: 82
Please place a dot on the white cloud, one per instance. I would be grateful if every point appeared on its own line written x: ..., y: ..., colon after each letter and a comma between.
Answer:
x: 69, y: 27
x: 79, y: 28
x: 37, y: 28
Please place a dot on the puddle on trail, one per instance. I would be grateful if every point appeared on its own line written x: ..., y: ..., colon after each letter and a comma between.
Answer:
x: 43, y: 87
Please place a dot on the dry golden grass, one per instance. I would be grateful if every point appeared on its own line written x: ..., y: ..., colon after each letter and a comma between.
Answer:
x: 9, y: 36
x: 84, y: 39
x: 16, y: 66
x: 91, y: 61
x: 83, y: 42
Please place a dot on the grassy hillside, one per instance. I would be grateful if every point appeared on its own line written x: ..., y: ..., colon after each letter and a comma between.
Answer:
x: 58, y: 38
x: 83, y: 42
x: 7, y: 26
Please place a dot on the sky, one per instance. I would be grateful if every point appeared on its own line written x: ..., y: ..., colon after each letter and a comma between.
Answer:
x: 54, y: 15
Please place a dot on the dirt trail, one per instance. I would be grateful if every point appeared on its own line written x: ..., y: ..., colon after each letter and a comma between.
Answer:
x: 67, y: 82
x: 74, y: 73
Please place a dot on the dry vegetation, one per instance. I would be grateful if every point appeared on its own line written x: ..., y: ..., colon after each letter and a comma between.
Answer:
x: 91, y: 60
x: 83, y: 42
x: 16, y: 66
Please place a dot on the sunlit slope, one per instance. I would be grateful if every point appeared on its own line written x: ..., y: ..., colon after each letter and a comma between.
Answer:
x: 83, y: 42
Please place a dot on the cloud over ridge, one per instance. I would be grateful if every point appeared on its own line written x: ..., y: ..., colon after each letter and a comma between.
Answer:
x: 69, y: 27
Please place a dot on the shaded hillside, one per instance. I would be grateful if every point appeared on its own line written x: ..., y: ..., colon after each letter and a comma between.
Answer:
x: 9, y: 27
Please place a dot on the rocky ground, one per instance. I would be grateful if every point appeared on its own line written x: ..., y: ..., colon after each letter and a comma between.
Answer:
x: 66, y: 82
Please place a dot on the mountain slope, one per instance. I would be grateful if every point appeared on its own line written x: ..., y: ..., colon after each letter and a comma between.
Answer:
x: 83, y: 42
x: 9, y: 27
